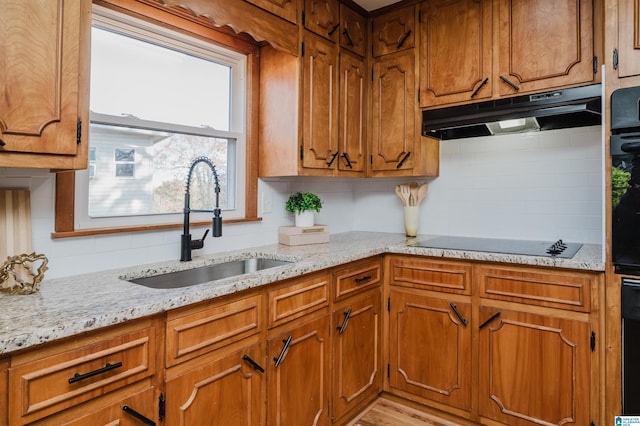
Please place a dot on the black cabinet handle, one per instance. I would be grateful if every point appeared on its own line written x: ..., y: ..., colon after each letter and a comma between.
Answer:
x: 333, y: 30
x: 491, y: 318
x: 362, y: 279
x: 252, y: 363
x: 347, y: 159
x: 108, y: 367
x: 462, y: 319
x: 404, y: 38
x: 330, y: 162
x: 134, y: 413
x: 2, y: 143
x: 401, y: 162
x: 280, y: 357
x: 475, y: 92
x: 348, y: 36
x: 344, y: 322
x: 513, y: 86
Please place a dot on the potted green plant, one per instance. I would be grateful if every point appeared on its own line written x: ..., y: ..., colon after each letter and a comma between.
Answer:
x: 303, y: 205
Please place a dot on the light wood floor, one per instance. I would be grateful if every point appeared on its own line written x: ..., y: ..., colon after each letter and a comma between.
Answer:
x: 384, y: 412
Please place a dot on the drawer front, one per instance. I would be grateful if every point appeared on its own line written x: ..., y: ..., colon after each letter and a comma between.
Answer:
x: 298, y: 299
x: 439, y: 275
x: 357, y: 278
x: 56, y: 382
x: 534, y: 286
x: 192, y: 332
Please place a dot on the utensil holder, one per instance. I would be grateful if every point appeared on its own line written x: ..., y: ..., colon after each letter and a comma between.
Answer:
x: 411, y: 220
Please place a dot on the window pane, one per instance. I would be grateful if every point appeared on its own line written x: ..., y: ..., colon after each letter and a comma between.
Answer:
x: 150, y: 82
x: 145, y: 171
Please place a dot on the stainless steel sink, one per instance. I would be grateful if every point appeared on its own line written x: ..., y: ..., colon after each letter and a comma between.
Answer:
x: 208, y: 273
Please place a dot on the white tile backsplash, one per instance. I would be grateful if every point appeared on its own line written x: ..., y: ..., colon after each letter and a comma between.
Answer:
x: 538, y: 186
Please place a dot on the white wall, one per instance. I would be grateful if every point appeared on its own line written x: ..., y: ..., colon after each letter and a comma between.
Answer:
x: 542, y: 186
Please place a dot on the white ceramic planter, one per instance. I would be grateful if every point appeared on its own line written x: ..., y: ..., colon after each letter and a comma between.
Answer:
x: 305, y: 219
x: 411, y: 220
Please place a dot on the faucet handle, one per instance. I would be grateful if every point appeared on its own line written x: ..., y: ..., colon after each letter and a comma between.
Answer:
x: 198, y: 244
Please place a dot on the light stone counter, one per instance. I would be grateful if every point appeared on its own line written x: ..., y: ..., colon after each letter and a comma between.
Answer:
x: 67, y: 306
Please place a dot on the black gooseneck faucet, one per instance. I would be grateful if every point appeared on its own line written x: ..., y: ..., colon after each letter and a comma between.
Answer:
x: 186, y: 243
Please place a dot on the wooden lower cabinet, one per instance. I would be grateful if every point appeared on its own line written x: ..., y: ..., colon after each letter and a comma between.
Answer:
x: 534, y: 369
x: 298, y: 384
x: 225, y: 391
x: 430, y: 347
x: 357, y: 358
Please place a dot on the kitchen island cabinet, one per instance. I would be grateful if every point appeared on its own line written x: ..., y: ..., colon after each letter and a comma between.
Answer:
x: 44, y: 95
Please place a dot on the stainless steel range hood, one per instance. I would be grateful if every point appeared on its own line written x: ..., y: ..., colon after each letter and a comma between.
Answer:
x: 558, y: 109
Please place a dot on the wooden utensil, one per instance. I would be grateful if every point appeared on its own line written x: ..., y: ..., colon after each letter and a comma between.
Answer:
x: 406, y: 193
x: 399, y: 192
x: 413, y: 188
x: 422, y: 192
x: 15, y: 222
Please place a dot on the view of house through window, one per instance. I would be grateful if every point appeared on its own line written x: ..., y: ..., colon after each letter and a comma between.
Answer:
x: 158, y: 101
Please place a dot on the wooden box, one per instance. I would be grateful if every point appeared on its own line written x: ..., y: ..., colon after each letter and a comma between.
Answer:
x: 296, y: 236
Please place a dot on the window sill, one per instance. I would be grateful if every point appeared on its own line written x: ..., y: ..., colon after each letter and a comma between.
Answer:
x: 146, y: 228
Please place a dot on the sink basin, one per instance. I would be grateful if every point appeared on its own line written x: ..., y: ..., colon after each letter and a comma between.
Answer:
x: 208, y: 273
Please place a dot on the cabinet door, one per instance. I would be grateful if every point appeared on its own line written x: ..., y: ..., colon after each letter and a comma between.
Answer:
x: 298, y: 388
x: 393, y: 110
x: 430, y: 348
x: 545, y: 44
x: 39, y: 77
x: 353, y: 101
x: 533, y: 369
x: 628, y: 38
x: 128, y: 412
x: 322, y: 17
x: 226, y: 391
x: 357, y: 371
x: 394, y: 31
x: 320, y: 85
x: 353, y: 31
x: 455, y: 51
x: 287, y: 9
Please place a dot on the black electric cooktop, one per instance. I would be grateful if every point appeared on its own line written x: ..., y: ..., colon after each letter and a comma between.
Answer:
x: 491, y: 245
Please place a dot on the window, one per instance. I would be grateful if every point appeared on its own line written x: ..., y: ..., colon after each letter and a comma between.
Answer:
x: 159, y: 100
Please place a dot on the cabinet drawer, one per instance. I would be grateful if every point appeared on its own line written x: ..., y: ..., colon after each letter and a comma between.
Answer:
x: 297, y: 299
x: 50, y: 384
x: 439, y: 275
x: 356, y: 278
x: 193, y: 332
x: 535, y: 286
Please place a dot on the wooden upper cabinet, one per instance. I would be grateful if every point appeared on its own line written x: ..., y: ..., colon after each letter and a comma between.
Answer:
x: 353, y: 31
x: 353, y: 110
x: 287, y: 9
x: 455, y: 51
x: 43, y: 81
x: 394, y: 31
x: 393, y: 113
x: 323, y: 18
x: 545, y: 44
x: 628, y: 47
x: 320, y: 103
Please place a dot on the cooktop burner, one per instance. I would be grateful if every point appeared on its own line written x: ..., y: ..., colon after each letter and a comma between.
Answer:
x: 491, y: 245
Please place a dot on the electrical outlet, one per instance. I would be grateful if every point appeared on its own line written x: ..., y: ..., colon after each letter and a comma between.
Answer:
x: 266, y: 202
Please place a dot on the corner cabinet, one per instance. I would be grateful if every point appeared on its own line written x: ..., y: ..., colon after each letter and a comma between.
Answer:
x: 44, y: 54
x: 482, y: 49
x: 626, y: 42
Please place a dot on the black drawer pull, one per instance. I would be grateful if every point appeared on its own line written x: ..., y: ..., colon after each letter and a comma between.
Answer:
x: 2, y: 143
x: 330, y: 162
x: 134, y: 413
x: 513, y: 86
x: 491, y: 318
x: 346, y: 158
x: 401, y: 162
x: 348, y: 36
x: 475, y: 92
x: 362, y: 279
x: 344, y: 322
x: 280, y: 357
x: 462, y: 319
x: 404, y: 38
x: 333, y: 30
x: 108, y: 367
x: 252, y: 363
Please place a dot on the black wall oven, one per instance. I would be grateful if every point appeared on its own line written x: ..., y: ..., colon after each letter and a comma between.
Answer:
x: 625, y: 180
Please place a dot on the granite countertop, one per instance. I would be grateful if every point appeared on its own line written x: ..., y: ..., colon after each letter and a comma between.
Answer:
x: 67, y: 306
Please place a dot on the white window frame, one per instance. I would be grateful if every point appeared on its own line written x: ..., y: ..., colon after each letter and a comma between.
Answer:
x: 124, y: 24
